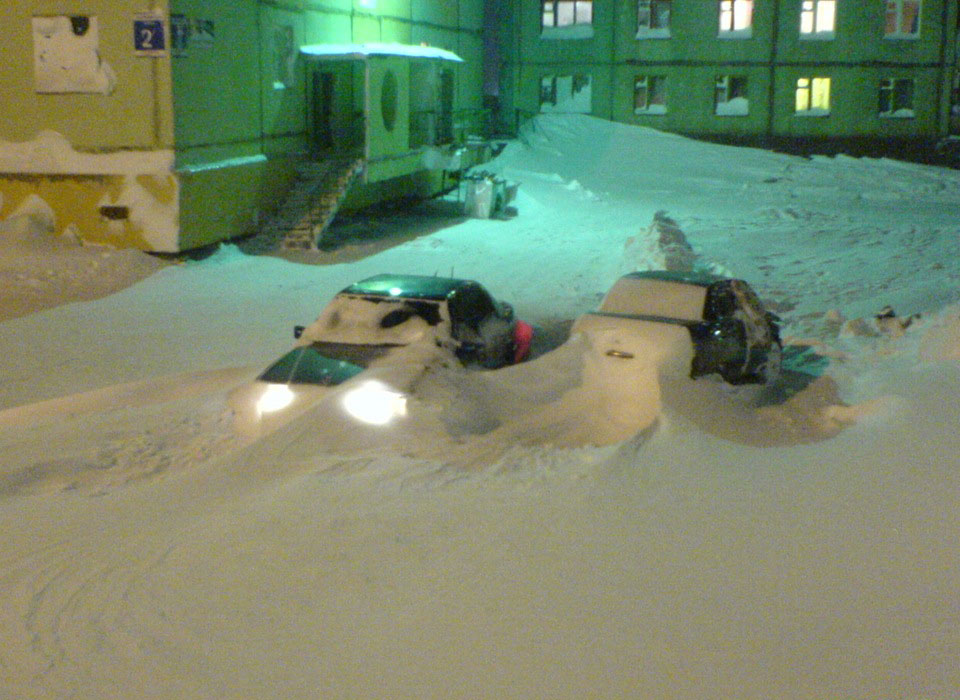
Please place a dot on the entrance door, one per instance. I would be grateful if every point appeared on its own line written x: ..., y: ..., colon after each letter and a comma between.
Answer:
x: 445, y: 122
x: 323, y: 95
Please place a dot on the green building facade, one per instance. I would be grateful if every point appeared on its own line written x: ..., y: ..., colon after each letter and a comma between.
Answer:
x: 750, y: 70
x: 171, y: 124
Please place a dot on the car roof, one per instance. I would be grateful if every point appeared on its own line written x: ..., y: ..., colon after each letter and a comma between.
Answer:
x: 415, y: 286
x: 699, y: 279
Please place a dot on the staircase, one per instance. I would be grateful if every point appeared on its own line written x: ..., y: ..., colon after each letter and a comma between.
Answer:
x: 310, y: 205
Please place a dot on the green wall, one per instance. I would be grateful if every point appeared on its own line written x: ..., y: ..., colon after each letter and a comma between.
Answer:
x: 234, y: 104
x: 772, y: 58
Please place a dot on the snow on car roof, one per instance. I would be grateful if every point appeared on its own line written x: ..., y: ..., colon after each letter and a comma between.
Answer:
x: 414, y: 286
x: 700, y: 279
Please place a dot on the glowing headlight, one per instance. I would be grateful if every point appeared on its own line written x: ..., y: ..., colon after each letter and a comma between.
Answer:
x: 375, y: 403
x: 276, y: 397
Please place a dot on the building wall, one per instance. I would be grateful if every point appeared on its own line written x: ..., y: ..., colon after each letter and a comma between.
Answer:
x: 87, y: 121
x: 249, y: 112
x: 774, y: 56
x: 197, y: 143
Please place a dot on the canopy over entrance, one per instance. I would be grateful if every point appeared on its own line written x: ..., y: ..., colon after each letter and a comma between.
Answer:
x: 390, y: 104
x: 360, y: 51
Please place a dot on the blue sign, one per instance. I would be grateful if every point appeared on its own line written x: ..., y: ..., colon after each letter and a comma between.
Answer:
x: 149, y: 35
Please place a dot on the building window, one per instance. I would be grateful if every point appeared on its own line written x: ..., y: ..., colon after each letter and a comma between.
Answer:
x: 896, y: 98
x: 566, y: 13
x: 653, y: 19
x: 566, y: 93
x: 736, y: 19
x: 730, y: 96
x: 903, y: 19
x: 650, y: 94
x: 813, y: 97
x: 817, y: 19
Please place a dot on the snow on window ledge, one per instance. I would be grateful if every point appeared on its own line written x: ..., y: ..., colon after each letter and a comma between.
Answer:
x: 573, y: 31
x: 652, y: 109
x: 899, y: 114
x: 656, y: 33
x: 817, y: 36
x: 737, y: 107
x: 746, y: 33
x: 817, y: 112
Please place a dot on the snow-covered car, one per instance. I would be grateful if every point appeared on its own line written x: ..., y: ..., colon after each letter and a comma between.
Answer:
x: 385, y: 319
x: 729, y: 331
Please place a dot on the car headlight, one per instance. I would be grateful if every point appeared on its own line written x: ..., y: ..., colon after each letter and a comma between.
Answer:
x: 375, y: 403
x: 276, y: 397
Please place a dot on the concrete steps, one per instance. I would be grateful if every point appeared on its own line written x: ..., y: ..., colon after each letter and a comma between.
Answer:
x: 310, y: 205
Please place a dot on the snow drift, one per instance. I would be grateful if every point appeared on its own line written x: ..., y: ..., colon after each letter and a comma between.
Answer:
x: 149, y: 553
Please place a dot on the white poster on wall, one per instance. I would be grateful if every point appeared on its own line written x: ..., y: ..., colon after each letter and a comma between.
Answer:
x: 66, y: 56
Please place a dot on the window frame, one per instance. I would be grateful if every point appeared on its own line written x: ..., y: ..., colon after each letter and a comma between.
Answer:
x: 653, y: 85
x: 899, y: 6
x: 732, y: 31
x: 810, y: 90
x: 812, y: 9
x: 551, y: 85
x: 555, y: 13
x: 889, y: 86
x: 647, y: 30
x: 726, y: 83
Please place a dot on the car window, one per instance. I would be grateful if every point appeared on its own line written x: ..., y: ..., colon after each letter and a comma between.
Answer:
x: 469, y: 305
x: 721, y: 301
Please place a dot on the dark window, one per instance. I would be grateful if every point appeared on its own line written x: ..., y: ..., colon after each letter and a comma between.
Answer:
x: 469, y: 306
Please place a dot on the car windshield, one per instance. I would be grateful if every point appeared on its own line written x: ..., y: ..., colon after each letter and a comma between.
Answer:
x: 326, y: 364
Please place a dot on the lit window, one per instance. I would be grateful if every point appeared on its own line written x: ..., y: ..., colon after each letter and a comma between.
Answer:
x: 566, y: 93
x: 736, y: 18
x: 730, y: 96
x: 896, y: 97
x: 903, y: 18
x: 817, y: 18
x: 813, y: 97
x: 653, y: 18
x: 650, y: 94
x: 565, y: 13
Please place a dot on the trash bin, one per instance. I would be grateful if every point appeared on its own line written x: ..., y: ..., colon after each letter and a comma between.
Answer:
x: 487, y: 195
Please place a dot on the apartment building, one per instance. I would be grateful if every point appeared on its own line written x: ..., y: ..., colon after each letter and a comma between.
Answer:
x: 171, y: 124
x: 750, y: 70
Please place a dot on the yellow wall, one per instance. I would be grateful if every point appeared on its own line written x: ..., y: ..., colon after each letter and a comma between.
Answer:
x: 137, y: 114
x: 222, y: 119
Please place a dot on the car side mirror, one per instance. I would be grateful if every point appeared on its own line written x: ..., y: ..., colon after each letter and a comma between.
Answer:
x: 298, y: 331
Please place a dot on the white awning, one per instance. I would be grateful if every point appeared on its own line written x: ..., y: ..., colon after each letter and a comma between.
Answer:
x: 361, y: 51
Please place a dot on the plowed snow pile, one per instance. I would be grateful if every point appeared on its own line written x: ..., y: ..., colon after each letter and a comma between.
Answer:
x: 540, y: 531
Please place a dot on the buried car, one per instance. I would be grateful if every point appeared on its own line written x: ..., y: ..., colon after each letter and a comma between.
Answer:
x: 717, y: 325
x: 385, y: 319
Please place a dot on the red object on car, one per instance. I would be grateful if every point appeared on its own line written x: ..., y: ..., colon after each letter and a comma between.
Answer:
x: 522, y: 337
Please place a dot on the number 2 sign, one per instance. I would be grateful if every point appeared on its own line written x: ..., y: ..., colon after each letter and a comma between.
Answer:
x: 149, y: 34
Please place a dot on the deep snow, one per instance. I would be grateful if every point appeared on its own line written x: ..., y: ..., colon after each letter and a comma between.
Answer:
x: 725, y: 551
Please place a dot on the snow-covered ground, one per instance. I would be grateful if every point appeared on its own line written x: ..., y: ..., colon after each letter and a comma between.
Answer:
x: 806, y: 548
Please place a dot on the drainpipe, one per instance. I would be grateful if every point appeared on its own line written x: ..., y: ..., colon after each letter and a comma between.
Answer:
x: 260, y: 107
x: 613, y: 58
x: 366, y: 109
x: 941, y: 108
x: 771, y: 90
